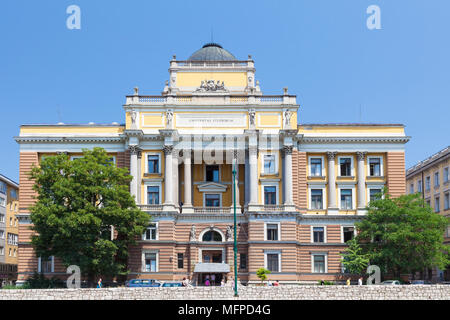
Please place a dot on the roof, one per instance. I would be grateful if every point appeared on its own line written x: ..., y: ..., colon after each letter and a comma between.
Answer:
x: 212, y: 52
x: 9, y: 181
x: 212, y: 268
x: 428, y: 161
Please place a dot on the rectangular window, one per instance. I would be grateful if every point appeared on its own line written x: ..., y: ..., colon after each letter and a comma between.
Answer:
x: 2, y: 202
x: 428, y: 203
x: 3, y: 187
x: 427, y: 183
x: 374, y: 194
x: 318, y: 234
x: 46, y: 265
x: 272, y: 231
x: 411, y: 188
x: 243, y: 261
x: 153, y: 163
x: 446, y: 201
x: 152, y: 195
x: 316, y: 199
x: 348, y: 233
x: 270, y: 195
x: 212, y: 200
x: 180, y: 261
x: 2, y: 251
x: 2, y: 234
x: 150, y: 262
x: 345, y: 167
x: 437, y: 204
x: 13, y: 193
x: 419, y: 186
x: 2, y: 218
x: 436, y: 179
x: 150, y: 233
x: 446, y: 175
x: 346, y: 199
x: 212, y: 173
x: 269, y: 163
x: 375, y: 167
x: 319, y: 263
x: 273, y: 262
x: 316, y: 167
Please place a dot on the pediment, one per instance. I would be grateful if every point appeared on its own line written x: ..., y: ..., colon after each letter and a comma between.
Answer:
x: 212, y: 187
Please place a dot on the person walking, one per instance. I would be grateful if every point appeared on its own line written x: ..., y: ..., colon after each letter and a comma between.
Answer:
x: 207, y: 283
x: 348, y: 281
x: 222, y: 283
x: 99, y: 283
x: 360, y: 281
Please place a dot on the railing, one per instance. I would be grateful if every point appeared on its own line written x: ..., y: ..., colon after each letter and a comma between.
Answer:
x: 151, y: 207
x: 152, y: 99
x: 269, y: 208
x: 206, y: 64
x: 214, y: 210
x: 269, y: 99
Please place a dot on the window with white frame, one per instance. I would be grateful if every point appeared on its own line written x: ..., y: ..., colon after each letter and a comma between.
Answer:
x: 345, y: 166
x: 447, y: 201
x: 3, y: 187
x: 348, y: 233
x: 269, y: 164
x: 212, y: 200
x: 273, y: 261
x: 427, y: 183
x: 46, y: 265
x: 153, y: 163
x: 150, y: 261
x: 153, y: 195
x: 272, y: 231
x: 375, y: 193
x: 419, y: 186
x: 316, y: 167
x: 375, y: 166
x: 411, y: 188
x: 2, y: 218
x: 318, y: 234
x: 151, y: 233
x: 317, y: 199
x: 270, y: 195
x: 13, y: 239
x: 445, y: 175
x: 436, y: 179
x: 2, y: 202
x: 437, y: 204
x: 2, y: 234
x: 346, y: 199
x: 319, y: 263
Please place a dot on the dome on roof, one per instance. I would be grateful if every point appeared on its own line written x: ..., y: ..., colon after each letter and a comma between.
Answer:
x: 212, y: 52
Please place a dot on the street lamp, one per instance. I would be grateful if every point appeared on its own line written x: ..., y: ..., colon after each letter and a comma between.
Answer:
x: 235, y: 239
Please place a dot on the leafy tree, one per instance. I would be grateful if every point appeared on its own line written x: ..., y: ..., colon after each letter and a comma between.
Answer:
x: 78, y: 201
x: 262, y: 274
x: 354, y: 260
x: 403, y: 235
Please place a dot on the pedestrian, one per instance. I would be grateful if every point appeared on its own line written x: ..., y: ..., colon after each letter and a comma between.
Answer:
x: 269, y: 284
x: 184, y: 283
x: 207, y: 283
x: 222, y: 283
x: 276, y: 284
x: 99, y: 283
x: 360, y: 281
x: 322, y: 282
x: 348, y: 281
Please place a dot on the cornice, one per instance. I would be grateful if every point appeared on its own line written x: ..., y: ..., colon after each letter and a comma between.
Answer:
x: 354, y: 139
x: 67, y: 139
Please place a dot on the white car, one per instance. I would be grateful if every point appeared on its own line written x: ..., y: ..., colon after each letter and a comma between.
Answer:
x: 391, y: 282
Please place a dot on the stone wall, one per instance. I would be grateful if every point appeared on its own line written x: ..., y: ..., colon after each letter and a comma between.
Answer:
x: 287, y: 292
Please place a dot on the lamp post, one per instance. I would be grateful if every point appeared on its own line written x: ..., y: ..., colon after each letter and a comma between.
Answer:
x: 235, y: 239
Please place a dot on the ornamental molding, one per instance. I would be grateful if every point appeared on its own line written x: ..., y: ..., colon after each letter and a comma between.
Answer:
x: 211, y: 86
x: 168, y: 150
x: 355, y: 139
x: 361, y: 155
x: 68, y: 139
x: 331, y: 155
x: 133, y: 133
x: 287, y: 150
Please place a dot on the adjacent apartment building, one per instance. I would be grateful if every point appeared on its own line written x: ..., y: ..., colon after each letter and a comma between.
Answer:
x: 300, y: 188
x: 9, y: 230
x: 430, y: 178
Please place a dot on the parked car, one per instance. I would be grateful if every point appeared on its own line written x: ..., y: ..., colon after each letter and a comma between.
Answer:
x: 391, y: 282
x: 420, y: 282
x: 172, y: 284
x: 141, y: 283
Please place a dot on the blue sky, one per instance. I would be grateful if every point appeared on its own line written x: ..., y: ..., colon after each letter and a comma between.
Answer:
x: 322, y: 50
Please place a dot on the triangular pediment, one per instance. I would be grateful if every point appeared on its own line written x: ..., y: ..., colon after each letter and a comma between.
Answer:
x: 212, y: 187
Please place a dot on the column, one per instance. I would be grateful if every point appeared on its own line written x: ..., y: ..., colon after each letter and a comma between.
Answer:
x: 134, y: 171
x: 361, y: 182
x: 139, y: 180
x: 175, y: 182
x: 236, y: 182
x: 287, y: 181
x: 168, y: 181
x: 253, y: 175
x: 187, y: 204
x: 246, y: 181
x: 332, y: 204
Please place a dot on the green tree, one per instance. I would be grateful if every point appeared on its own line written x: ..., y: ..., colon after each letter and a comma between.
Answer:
x: 403, y: 235
x: 78, y: 201
x: 353, y: 259
x: 262, y: 274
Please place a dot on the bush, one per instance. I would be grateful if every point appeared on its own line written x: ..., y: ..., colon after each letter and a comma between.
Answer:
x: 39, y: 281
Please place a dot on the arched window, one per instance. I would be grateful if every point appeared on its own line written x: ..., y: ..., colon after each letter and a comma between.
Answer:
x: 212, y: 236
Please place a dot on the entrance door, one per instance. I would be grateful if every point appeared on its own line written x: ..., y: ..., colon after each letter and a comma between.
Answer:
x: 212, y: 256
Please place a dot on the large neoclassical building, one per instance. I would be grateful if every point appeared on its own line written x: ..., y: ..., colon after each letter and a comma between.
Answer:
x: 299, y: 188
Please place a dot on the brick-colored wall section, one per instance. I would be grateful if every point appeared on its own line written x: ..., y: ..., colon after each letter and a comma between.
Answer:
x: 123, y: 159
x: 396, y: 175
x: 299, y: 185
x: 26, y: 193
